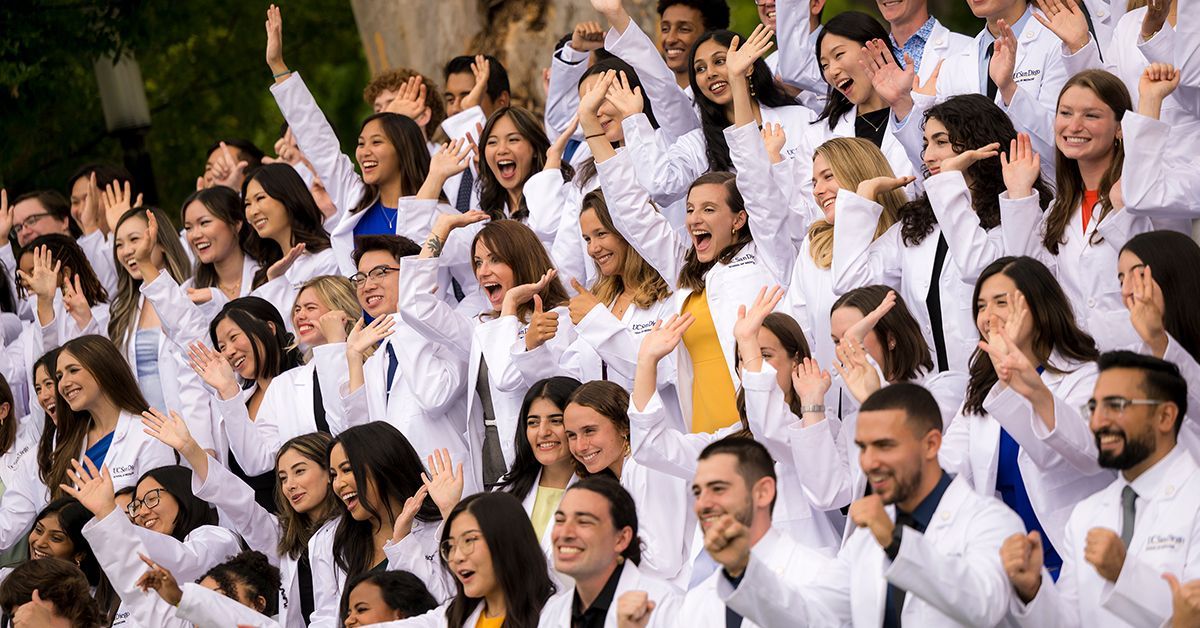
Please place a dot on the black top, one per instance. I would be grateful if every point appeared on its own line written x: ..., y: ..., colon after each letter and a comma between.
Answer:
x: 593, y: 616
x: 872, y: 126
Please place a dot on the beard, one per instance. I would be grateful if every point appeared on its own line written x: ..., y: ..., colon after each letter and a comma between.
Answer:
x: 904, y: 487
x: 1135, y: 451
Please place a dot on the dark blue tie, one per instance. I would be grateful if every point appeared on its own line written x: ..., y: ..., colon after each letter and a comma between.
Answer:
x: 391, y: 372
x: 463, y: 202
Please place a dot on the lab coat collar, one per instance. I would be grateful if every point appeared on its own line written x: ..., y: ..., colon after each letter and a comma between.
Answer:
x: 769, y: 544
x: 1155, y: 481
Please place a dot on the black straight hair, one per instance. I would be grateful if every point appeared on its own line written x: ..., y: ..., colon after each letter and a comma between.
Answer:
x: 280, y: 182
x: 193, y: 511
x: 921, y: 411
x: 1173, y: 259
x: 225, y: 205
x: 497, y: 82
x: 859, y: 28
x: 272, y: 345
x: 520, y: 479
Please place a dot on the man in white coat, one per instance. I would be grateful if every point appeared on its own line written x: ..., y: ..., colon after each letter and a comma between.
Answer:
x: 596, y: 544
x: 734, y: 484
x: 1121, y: 540
x: 920, y: 555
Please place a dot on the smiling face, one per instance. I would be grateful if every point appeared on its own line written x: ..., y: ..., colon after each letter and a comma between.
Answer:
x: 40, y: 221
x: 376, y: 155
x: 48, y: 539
x: 495, y: 276
x: 995, y: 298
x: 608, y: 115
x: 890, y: 454
x: 303, y: 481
x: 902, y: 11
x: 546, y: 433
x: 508, y: 154
x: 679, y: 28
x: 378, y: 297
x: 346, y: 486
x: 773, y: 353
x: 268, y: 217
x: 594, y: 439
x: 128, y: 237
x: 605, y: 247
x: 211, y: 238
x: 586, y: 543
x: 719, y: 489
x: 77, y: 384
x: 1085, y: 128
x: 475, y: 569
x: 840, y: 66
x: 1128, y: 440
x: 367, y: 606
x: 235, y: 345
x: 938, y: 145
x: 43, y: 386
x: 711, y: 76
x: 306, y: 314
x: 711, y: 221
x: 825, y: 187
x: 766, y: 13
x: 161, y: 517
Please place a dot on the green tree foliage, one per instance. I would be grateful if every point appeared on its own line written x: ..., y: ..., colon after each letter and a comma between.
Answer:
x: 204, y: 73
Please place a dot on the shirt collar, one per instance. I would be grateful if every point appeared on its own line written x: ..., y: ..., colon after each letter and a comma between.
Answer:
x: 923, y: 513
x: 602, y: 602
x: 1016, y: 28
x: 922, y: 34
x: 1146, y: 485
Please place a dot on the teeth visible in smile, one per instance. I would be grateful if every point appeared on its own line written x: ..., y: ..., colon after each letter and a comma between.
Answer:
x: 203, y: 246
x: 844, y: 84
x: 373, y: 299
x: 304, y: 327
x: 37, y: 554
x: 569, y: 550
x: 827, y: 202
x: 1076, y: 140
x: 370, y: 163
x: 717, y: 86
x: 546, y: 446
x: 237, y: 364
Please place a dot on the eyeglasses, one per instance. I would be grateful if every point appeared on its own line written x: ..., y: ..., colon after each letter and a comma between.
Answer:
x: 1114, y: 407
x: 764, y: 3
x: 376, y: 274
x: 149, y: 501
x: 29, y: 222
x: 466, y: 546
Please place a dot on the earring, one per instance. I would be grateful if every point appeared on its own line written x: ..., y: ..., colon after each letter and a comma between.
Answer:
x: 751, y: 83
x: 628, y: 449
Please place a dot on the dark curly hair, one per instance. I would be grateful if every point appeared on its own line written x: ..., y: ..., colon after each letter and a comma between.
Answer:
x: 715, y: 13
x: 972, y: 121
x: 252, y: 570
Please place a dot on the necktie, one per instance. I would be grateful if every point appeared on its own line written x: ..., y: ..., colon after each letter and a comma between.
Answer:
x: 391, y: 370
x: 894, y: 604
x: 465, y: 186
x: 991, y: 85
x: 493, y: 456
x: 1128, y: 513
x: 933, y: 304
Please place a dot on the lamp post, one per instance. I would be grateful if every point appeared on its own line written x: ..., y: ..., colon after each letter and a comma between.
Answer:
x: 127, y: 116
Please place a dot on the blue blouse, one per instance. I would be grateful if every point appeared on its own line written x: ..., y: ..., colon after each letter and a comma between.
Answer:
x: 377, y: 219
x: 98, y: 452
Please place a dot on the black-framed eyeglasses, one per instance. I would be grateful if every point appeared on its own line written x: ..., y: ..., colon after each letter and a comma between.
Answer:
x: 149, y: 501
x: 465, y: 545
x: 1114, y: 407
x: 29, y: 221
x: 376, y: 274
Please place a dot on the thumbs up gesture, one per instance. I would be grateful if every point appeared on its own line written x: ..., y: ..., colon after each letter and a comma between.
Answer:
x: 542, y: 326
x: 1185, y: 600
x: 581, y: 303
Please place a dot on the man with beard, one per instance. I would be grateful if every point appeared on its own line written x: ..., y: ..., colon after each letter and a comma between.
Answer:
x: 1122, y: 539
x: 734, y: 491
x: 923, y: 538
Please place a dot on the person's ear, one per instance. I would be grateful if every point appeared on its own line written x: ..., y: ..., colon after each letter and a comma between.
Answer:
x: 260, y: 604
x: 933, y: 444
x: 763, y: 492
x: 624, y: 538
x: 502, y: 101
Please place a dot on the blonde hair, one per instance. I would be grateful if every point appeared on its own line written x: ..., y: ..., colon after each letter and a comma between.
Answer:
x: 637, y: 276
x: 853, y: 160
x: 336, y: 293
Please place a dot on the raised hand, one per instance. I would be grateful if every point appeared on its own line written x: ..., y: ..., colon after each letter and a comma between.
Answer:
x: 543, y: 326
x: 1157, y: 12
x: 967, y: 158
x: 280, y: 268
x: 90, y: 218
x: 859, y: 375
x: 893, y: 83
x: 287, y: 150
x: 628, y: 101
x: 443, y: 225
x: 590, y: 101
x: 1145, y: 305
x: 43, y: 280
x: 6, y: 213
x: 36, y: 613
x: 76, y: 303
x: 582, y: 303
x: 750, y: 319
x: 859, y: 330
x: 404, y: 521
x: 143, y: 249
x: 200, y: 296
x: 363, y: 337
x: 1020, y: 168
x: 170, y: 430
x: 739, y: 61
x: 481, y: 69
x: 444, y: 482
x: 227, y: 170
x: 1185, y: 602
x: 1004, y: 62
x: 1065, y: 19
x: 666, y: 335
x: 869, y: 513
x: 91, y: 487
x: 519, y: 295
x: 117, y: 200
x: 774, y: 138
x: 1022, y: 559
x: 929, y: 87
x: 811, y: 382
x: 333, y: 325
x: 728, y: 542
x: 1158, y: 81
x: 633, y: 609
x: 1104, y: 550
x: 274, y: 27
x: 451, y: 159
x: 1017, y: 372
x: 161, y: 581
x: 587, y: 36
x: 554, y: 154
x: 870, y: 189
x: 213, y: 369
x: 410, y: 99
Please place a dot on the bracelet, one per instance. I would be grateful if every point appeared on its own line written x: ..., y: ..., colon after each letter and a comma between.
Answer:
x: 813, y: 408
x: 588, y: 137
x: 283, y: 73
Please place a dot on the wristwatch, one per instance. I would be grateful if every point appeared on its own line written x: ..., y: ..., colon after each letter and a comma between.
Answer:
x: 818, y: 407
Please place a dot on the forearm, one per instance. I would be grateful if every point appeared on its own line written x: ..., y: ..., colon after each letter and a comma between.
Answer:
x: 645, y: 383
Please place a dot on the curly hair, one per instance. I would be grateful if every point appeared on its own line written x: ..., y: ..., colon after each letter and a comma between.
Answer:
x: 393, y: 80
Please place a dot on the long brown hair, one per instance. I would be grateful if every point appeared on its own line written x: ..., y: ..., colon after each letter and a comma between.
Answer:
x: 1068, y: 181
x: 515, y: 244
x: 8, y: 424
x: 906, y: 354
x: 296, y: 528
x: 647, y: 285
x: 791, y: 337
x: 97, y: 355
x: 493, y: 198
x: 609, y: 400
x: 1054, y: 326
x: 691, y: 275
x: 124, y: 307
x: 853, y: 160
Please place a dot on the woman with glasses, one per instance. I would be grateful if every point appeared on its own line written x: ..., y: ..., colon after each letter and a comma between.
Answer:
x: 1020, y: 433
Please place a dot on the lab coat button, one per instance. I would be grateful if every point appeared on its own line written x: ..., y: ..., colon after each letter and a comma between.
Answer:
x: 1170, y: 491
x: 945, y: 516
x: 1091, y: 303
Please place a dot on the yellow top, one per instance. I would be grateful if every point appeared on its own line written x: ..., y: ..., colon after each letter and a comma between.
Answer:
x: 544, y: 505
x: 489, y: 622
x: 714, y: 402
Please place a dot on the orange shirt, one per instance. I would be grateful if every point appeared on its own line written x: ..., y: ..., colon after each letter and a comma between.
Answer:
x: 1090, y: 199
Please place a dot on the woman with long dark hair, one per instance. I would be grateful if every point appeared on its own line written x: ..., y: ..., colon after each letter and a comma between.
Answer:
x: 387, y: 519
x: 1040, y: 459
x: 1081, y: 233
x: 226, y: 248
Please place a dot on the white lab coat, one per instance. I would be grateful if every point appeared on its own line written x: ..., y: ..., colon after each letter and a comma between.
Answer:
x: 668, y: 600
x: 857, y: 261
x: 24, y: 494
x: 672, y: 105
x: 1161, y: 174
x: 97, y: 249
x: 727, y: 286
x: 283, y: 290
x: 207, y: 608
x: 1058, y: 468
x: 427, y: 401
x: 798, y: 565
x: 1086, y: 271
x: 952, y: 573
x: 132, y: 452
x: 210, y: 308
x: 1189, y: 432
x: 1167, y: 524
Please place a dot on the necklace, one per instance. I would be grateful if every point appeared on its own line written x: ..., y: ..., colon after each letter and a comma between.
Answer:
x: 231, y: 290
x: 392, y: 220
x: 873, y: 126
